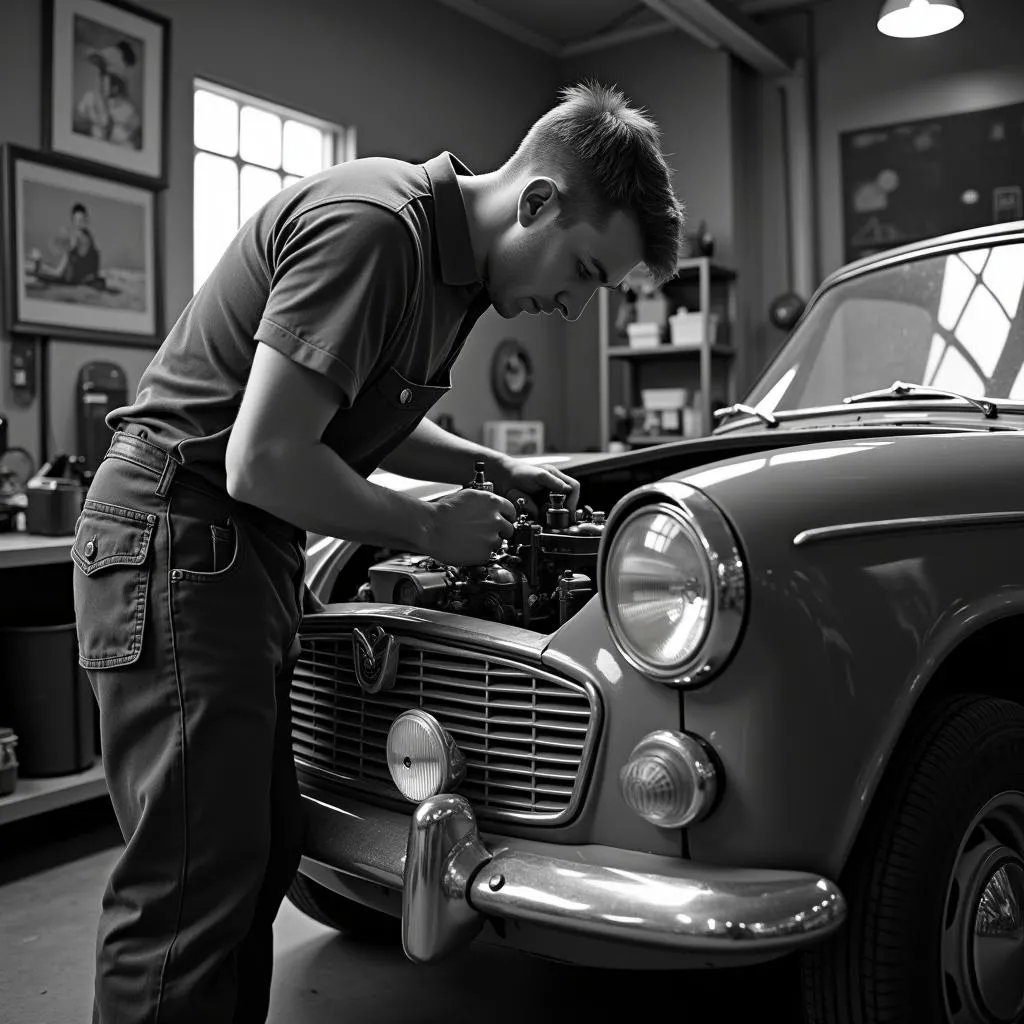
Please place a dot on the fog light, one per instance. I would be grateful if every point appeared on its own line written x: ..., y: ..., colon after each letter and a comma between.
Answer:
x: 422, y: 757
x: 669, y: 779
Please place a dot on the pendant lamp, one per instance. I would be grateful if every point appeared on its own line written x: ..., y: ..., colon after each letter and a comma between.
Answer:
x: 908, y: 19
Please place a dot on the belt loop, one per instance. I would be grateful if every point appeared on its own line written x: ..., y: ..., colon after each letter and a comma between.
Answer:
x: 166, y: 477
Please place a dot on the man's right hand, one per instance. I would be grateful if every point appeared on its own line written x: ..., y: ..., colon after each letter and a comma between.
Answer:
x: 468, y: 525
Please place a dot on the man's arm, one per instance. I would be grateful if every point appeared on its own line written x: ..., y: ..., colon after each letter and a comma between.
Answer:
x: 276, y: 461
x: 432, y: 453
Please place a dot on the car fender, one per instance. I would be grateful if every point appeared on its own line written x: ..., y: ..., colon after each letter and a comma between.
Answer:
x: 865, y: 570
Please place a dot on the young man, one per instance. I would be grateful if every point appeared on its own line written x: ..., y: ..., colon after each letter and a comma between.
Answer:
x: 308, y: 358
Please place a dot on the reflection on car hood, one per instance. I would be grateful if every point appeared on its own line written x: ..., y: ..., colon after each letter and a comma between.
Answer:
x: 896, y: 476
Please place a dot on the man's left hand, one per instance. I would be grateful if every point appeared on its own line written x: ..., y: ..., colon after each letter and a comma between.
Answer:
x: 534, y: 483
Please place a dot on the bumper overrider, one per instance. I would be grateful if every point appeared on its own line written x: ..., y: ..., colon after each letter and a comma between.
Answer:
x: 452, y: 881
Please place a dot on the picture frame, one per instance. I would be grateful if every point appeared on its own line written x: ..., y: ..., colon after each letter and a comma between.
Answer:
x: 81, y: 252
x: 106, y: 71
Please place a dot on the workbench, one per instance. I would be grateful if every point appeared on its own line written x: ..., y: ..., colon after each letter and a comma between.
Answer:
x: 36, y: 571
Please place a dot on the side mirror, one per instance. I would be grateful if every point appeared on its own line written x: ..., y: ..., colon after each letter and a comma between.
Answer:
x: 786, y: 310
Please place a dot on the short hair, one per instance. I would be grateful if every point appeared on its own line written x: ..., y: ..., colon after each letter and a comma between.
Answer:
x: 79, y: 208
x: 608, y: 155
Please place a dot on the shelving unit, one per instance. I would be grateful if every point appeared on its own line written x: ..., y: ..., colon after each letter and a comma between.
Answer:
x: 23, y: 549
x: 34, y: 796
x: 36, y: 569
x: 713, y: 285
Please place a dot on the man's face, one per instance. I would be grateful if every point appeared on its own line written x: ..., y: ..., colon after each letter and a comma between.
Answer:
x: 540, y: 266
x: 79, y: 219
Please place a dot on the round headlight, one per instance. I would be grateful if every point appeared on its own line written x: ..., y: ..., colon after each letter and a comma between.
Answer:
x: 659, y: 585
x: 672, y: 583
x: 422, y: 757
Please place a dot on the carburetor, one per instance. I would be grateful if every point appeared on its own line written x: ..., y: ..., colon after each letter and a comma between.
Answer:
x: 542, y: 575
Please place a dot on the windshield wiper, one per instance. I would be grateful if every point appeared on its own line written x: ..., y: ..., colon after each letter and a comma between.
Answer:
x: 901, y: 389
x: 731, y: 410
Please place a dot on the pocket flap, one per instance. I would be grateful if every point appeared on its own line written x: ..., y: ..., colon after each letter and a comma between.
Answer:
x: 111, y: 535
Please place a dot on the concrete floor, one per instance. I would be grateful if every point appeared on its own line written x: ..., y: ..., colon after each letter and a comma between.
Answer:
x: 51, y: 880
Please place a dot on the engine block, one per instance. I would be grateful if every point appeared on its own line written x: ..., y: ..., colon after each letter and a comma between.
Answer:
x: 543, y: 574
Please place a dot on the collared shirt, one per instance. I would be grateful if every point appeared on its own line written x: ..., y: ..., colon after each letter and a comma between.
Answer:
x: 365, y: 267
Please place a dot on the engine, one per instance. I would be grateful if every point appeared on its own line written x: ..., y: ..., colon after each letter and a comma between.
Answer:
x: 543, y: 574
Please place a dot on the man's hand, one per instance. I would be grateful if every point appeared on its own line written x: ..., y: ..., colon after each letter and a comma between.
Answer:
x: 467, y: 526
x: 518, y: 479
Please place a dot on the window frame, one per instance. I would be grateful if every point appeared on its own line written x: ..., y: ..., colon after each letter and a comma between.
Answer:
x: 341, y: 140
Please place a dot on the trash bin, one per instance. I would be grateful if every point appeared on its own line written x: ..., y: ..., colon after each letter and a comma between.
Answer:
x: 46, y: 699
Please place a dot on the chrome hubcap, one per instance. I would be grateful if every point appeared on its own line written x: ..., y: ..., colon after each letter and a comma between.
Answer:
x: 983, y: 935
x: 999, y: 941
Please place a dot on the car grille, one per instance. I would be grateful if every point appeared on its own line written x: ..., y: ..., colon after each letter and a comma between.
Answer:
x: 525, y: 733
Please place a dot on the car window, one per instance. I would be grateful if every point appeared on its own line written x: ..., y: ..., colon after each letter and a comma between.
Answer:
x: 953, y: 321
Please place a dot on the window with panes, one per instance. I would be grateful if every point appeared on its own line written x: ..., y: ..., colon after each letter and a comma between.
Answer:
x: 245, y: 150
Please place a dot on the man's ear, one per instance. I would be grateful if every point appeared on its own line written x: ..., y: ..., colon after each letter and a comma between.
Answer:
x: 539, y: 196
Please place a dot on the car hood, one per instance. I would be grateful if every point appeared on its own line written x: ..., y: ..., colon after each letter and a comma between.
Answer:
x: 866, y: 479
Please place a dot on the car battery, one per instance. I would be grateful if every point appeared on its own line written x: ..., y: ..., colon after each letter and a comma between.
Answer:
x: 8, y: 761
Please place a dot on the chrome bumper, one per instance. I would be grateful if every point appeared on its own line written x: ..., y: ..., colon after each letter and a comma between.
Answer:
x: 451, y: 881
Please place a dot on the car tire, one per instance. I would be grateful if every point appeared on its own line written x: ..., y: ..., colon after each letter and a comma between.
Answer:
x: 336, y: 911
x: 941, y: 853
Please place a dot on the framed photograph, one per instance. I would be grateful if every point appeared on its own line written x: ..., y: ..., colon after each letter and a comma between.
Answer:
x: 80, y: 250
x: 105, y: 85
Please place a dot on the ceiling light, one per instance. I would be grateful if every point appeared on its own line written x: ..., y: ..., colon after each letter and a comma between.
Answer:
x: 908, y: 19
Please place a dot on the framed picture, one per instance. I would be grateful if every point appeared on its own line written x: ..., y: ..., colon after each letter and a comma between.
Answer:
x: 80, y: 251
x: 105, y: 85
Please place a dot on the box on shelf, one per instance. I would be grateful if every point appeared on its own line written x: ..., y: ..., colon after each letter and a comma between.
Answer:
x: 686, y: 329
x: 664, y: 398
x: 515, y: 437
x: 644, y: 335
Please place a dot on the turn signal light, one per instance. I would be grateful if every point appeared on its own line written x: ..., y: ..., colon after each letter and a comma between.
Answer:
x: 669, y: 779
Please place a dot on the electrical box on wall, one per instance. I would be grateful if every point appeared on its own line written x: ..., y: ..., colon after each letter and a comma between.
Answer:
x: 22, y: 371
x: 101, y: 388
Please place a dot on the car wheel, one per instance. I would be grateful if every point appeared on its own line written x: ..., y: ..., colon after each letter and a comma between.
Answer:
x: 328, y: 907
x: 935, y: 885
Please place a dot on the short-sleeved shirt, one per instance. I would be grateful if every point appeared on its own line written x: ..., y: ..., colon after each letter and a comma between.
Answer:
x: 366, y: 266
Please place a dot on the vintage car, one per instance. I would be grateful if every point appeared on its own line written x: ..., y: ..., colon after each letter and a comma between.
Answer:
x: 756, y: 698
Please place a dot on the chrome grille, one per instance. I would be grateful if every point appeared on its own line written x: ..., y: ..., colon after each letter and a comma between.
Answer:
x: 525, y: 732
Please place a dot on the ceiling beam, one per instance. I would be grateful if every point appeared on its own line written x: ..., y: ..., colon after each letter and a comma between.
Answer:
x: 734, y: 31
x: 614, y: 38
x: 717, y: 24
x: 677, y: 18
x: 498, y: 22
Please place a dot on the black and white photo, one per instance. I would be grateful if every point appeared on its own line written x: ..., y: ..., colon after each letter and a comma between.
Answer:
x: 105, y: 85
x: 80, y: 252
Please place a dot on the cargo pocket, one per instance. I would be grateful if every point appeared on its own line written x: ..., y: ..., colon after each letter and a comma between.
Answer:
x: 111, y: 556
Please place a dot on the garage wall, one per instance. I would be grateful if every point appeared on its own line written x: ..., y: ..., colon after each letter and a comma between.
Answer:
x: 413, y: 77
x: 685, y: 87
x: 865, y: 79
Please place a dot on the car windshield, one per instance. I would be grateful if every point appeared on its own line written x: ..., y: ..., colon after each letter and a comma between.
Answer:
x: 954, y: 322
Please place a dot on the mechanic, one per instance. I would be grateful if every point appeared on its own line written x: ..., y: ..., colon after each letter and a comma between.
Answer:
x: 308, y: 358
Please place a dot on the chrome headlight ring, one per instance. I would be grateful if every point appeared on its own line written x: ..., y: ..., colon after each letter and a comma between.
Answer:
x: 724, y: 570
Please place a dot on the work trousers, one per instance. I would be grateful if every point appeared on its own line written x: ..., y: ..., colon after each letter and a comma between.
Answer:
x: 187, y: 612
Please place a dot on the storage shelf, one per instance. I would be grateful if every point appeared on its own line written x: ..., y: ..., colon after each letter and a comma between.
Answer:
x: 657, y: 351
x: 34, y: 796
x: 18, y: 549
x: 703, y: 287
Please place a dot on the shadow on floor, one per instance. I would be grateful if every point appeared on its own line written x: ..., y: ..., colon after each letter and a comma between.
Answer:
x: 52, y: 875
